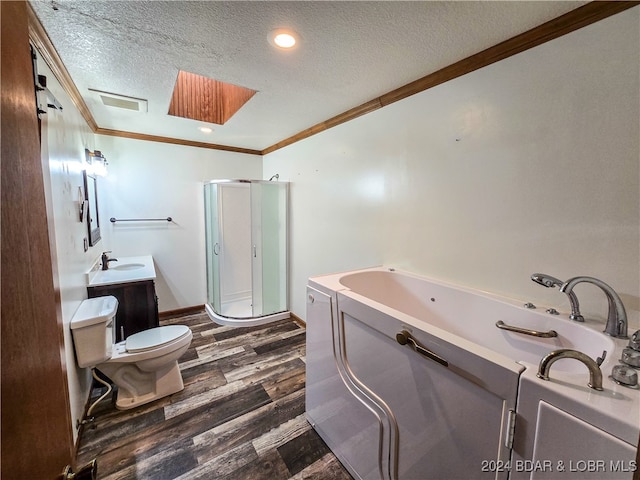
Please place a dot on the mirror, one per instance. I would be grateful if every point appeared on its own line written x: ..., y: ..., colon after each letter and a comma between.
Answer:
x: 91, y: 197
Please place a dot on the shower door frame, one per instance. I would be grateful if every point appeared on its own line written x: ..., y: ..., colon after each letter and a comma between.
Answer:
x: 255, y: 242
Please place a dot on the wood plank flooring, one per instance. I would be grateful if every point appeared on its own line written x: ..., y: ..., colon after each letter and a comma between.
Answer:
x: 240, y: 415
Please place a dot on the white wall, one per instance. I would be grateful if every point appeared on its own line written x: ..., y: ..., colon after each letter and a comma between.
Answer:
x: 528, y: 165
x: 157, y: 180
x: 65, y: 135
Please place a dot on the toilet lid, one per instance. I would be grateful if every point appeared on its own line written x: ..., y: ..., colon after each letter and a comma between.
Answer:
x: 154, y: 337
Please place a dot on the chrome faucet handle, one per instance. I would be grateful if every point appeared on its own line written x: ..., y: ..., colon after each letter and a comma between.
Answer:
x: 630, y: 357
x: 634, y: 341
x: 625, y: 375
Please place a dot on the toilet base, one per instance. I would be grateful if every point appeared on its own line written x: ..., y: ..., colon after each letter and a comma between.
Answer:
x: 137, y: 387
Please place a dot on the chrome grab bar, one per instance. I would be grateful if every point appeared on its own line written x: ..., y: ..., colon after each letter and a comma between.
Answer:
x: 503, y: 326
x: 114, y: 220
x: 405, y: 337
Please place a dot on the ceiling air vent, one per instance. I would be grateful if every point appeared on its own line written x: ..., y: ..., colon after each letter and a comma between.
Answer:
x: 120, y: 101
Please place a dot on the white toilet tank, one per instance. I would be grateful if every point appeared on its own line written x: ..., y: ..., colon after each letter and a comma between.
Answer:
x: 93, y: 330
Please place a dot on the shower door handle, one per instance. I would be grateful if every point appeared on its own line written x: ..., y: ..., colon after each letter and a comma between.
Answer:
x: 216, y: 249
x: 254, y: 252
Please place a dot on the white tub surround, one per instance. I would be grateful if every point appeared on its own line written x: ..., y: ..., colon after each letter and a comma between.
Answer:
x: 408, y: 377
x: 124, y: 270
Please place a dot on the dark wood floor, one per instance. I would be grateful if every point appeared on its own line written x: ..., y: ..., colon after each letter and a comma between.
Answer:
x: 240, y: 415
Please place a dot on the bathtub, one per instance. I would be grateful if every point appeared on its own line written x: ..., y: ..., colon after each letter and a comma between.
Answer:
x: 411, y: 378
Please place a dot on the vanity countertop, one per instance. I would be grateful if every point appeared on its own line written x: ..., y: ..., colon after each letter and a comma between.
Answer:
x: 125, y: 270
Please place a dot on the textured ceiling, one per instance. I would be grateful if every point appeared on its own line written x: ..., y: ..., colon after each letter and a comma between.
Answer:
x: 350, y: 53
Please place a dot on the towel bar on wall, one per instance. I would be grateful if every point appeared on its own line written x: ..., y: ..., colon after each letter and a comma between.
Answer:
x: 114, y: 220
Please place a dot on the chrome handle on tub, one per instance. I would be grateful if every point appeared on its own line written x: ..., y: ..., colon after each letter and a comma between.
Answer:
x: 550, y: 334
x: 405, y: 337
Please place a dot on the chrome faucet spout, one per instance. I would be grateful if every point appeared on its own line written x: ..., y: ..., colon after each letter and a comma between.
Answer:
x: 617, y: 316
x: 549, y: 281
x: 595, y: 374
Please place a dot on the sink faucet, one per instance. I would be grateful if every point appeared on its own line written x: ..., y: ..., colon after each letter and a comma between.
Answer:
x: 595, y: 374
x: 617, y: 316
x: 106, y: 260
x: 549, y: 281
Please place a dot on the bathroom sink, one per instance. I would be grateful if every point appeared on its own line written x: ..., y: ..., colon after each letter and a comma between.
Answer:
x: 126, y: 269
x: 128, y: 266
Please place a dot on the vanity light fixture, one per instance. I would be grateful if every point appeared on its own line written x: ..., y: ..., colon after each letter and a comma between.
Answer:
x: 96, y: 162
x: 205, y: 129
x: 283, y: 38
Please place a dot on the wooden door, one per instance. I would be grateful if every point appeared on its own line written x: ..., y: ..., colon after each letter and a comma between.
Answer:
x: 37, y: 441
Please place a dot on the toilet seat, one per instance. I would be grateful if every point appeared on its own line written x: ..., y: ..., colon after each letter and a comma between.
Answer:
x: 152, y: 343
x: 154, y: 338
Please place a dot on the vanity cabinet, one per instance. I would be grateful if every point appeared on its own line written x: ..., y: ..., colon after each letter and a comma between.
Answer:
x: 137, y: 306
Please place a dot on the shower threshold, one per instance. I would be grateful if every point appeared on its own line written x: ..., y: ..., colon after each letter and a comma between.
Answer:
x: 222, y: 319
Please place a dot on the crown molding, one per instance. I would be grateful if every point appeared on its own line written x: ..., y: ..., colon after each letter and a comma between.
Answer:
x: 567, y: 23
x: 562, y: 25
x: 175, y: 141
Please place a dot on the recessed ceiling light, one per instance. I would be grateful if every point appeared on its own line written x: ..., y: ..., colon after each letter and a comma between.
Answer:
x: 283, y: 38
x: 205, y: 129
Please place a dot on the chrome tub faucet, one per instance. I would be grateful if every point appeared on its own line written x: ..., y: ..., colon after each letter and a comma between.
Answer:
x: 617, y: 317
x: 595, y: 374
x: 549, y: 281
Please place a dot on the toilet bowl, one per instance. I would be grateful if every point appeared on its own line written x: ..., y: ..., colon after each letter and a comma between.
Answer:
x: 144, y: 367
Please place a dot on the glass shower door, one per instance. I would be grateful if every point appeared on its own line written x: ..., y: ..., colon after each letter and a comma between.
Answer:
x: 269, y: 237
x: 212, y: 236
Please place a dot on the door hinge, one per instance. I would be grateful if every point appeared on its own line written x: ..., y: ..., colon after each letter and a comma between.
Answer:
x: 510, y: 429
x: 87, y: 472
x: 40, y: 87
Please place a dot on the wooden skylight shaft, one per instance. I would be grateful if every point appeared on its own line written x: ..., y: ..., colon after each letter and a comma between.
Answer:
x: 206, y: 99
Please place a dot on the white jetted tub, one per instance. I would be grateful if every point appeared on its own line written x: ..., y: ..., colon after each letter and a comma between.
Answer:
x: 411, y: 378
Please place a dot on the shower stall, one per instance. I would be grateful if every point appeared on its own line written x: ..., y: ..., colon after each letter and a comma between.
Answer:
x: 246, y: 247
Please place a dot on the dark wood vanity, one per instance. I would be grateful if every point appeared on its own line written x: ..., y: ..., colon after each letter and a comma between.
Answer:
x: 132, y: 281
x: 137, y: 306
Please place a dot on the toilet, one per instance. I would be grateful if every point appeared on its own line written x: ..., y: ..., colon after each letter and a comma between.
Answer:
x: 144, y: 366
